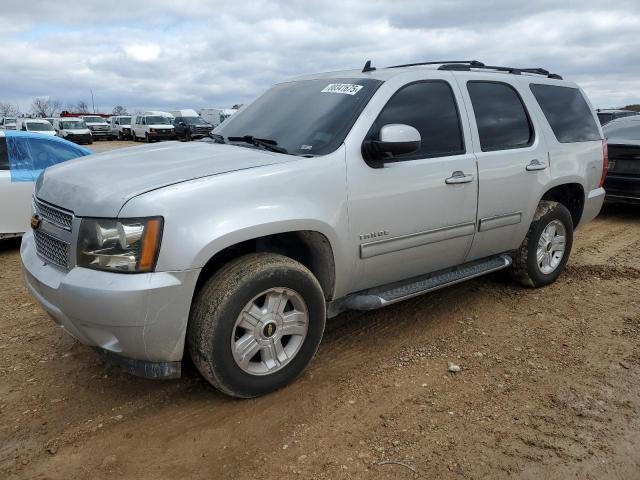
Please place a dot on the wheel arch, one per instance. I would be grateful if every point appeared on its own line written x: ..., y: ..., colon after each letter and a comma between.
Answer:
x: 309, y: 247
x: 571, y: 195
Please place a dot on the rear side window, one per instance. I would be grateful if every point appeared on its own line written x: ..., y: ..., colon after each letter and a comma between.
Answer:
x: 430, y: 108
x: 567, y: 112
x: 503, y: 122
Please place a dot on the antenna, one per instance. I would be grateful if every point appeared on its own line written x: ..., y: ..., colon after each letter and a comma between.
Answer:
x: 368, y: 67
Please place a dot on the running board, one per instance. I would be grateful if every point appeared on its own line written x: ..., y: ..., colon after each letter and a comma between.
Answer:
x: 395, y: 292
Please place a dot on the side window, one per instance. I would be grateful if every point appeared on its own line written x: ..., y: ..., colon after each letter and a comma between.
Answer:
x: 430, y: 107
x: 567, y: 112
x: 4, y: 157
x: 503, y: 122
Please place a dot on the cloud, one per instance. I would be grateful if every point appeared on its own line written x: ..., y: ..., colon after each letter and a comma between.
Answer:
x: 161, y: 55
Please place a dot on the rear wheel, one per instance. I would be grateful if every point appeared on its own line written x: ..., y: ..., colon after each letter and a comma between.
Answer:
x: 546, y: 248
x: 256, y: 324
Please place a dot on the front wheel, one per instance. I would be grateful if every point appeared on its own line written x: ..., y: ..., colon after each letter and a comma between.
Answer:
x: 546, y: 248
x: 256, y: 324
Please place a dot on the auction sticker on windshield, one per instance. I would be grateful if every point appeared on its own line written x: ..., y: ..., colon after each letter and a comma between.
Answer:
x: 346, y: 88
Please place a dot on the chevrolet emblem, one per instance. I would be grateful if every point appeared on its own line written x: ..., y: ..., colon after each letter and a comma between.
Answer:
x: 35, y: 221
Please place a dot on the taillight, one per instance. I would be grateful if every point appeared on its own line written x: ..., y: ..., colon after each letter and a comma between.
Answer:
x: 605, y: 161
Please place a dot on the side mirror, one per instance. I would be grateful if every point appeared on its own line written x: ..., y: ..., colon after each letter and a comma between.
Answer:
x: 395, y: 139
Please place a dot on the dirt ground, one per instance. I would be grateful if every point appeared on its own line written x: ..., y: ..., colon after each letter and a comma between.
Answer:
x: 549, y: 388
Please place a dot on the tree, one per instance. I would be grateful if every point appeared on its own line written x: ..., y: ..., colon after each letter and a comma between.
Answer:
x: 237, y: 106
x: 45, y: 106
x: 119, y: 110
x: 635, y: 107
x: 9, y: 110
x: 82, y: 106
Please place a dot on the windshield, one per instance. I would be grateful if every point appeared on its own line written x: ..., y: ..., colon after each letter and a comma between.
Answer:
x: 194, y: 120
x: 9, y: 120
x: 309, y: 117
x: 95, y: 120
x: 39, y: 127
x: 72, y: 124
x: 158, y: 120
x: 124, y: 121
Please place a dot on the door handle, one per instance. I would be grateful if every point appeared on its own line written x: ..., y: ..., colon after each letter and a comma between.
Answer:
x: 458, y: 177
x: 535, y: 165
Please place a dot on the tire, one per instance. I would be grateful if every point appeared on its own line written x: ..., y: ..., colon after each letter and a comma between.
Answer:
x: 120, y: 136
x: 527, y: 269
x: 146, y: 138
x: 133, y: 136
x: 187, y: 136
x: 90, y: 142
x: 214, y: 330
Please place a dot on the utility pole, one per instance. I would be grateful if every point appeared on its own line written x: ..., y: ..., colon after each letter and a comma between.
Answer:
x: 92, y: 103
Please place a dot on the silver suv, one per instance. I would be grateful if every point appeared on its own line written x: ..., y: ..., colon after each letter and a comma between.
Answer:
x: 335, y: 191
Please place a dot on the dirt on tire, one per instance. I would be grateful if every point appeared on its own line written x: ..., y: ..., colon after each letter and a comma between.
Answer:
x: 548, y: 387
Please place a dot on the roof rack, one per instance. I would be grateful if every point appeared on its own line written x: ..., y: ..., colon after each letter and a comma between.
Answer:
x: 470, y: 63
x: 466, y: 66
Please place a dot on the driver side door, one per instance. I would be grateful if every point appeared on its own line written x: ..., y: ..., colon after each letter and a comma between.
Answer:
x: 416, y: 213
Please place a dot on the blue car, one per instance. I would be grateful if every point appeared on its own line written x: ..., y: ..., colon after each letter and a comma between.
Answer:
x: 23, y: 156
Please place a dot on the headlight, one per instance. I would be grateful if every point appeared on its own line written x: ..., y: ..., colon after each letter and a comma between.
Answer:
x: 127, y: 245
x: 152, y: 130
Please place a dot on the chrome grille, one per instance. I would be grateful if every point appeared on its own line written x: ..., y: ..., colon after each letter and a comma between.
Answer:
x: 51, y: 249
x: 53, y: 215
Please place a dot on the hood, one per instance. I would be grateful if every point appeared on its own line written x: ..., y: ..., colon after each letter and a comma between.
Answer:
x: 623, y: 141
x: 99, y: 185
x: 75, y: 130
x: 45, y: 132
x: 159, y: 125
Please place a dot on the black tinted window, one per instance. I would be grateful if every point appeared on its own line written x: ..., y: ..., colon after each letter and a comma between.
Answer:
x: 567, y: 112
x: 430, y: 108
x: 4, y: 159
x: 502, y: 120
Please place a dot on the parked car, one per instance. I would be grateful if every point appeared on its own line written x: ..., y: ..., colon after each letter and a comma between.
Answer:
x: 152, y: 127
x: 36, y: 125
x: 121, y: 127
x: 23, y: 155
x: 623, y: 177
x: 72, y: 129
x: 99, y: 127
x: 189, y: 125
x: 343, y: 190
x: 215, y: 116
x: 8, y: 123
x: 607, y: 115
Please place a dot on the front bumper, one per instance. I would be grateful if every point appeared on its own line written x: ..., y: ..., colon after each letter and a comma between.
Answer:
x: 78, y: 138
x: 140, y: 320
x: 162, y: 135
x: 622, y: 188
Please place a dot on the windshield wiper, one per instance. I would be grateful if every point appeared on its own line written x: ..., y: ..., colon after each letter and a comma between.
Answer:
x: 259, y: 142
x: 217, y: 137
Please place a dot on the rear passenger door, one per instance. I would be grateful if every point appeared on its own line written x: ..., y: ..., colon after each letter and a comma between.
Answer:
x: 513, y: 163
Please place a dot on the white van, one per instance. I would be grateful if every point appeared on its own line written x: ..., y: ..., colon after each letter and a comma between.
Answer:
x: 38, y: 125
x: 120, y: 126
x: 98, y: 126
x: 150, y: 126
x: 215, y: 116
x: 73, y: 129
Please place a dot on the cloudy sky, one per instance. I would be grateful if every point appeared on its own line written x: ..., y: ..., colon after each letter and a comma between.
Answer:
x: 196, y: 54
